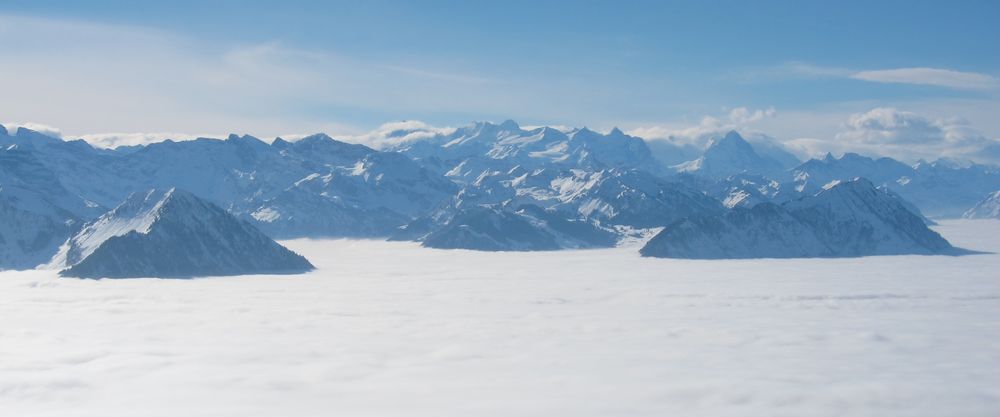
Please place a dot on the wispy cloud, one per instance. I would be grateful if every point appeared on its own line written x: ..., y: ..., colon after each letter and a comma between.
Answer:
x: 92, y: 77
x: 930, y: 76
x: 939, y: 77
x: 44, y: 129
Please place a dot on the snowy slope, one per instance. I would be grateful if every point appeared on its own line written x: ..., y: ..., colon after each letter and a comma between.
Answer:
x: 31, y: 228
x: 171, y: 233
x: 470, y: 151
x: 371, y: 197
x: 765, y: 230
x: 620, y: 202
x: 37, y: 213
x: 524, y: 228
x: 988, y: 208
x: 852, y: 218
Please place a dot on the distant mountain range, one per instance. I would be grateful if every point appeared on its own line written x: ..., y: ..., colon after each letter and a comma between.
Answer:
x: 485, y: 186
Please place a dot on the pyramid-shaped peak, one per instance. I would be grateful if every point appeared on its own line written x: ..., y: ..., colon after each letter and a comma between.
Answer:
x: 731, y: 137
x: 732, y: 142
x: 316, y: 137
x: 585, y: 132
x: 280, y: 143
x: 509, y: 125
x: 169, y: 232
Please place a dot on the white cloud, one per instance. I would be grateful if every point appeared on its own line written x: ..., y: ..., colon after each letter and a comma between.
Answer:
x: 38, y: 127
x: 939, y: 77
x: 742, y: 115
x: 399, y: 132
x: 930, y: 76
x: 114, y: 140
x: 698, y: 135
x: 889, y: 126
x: 880, y: 131
x: 904, y: 135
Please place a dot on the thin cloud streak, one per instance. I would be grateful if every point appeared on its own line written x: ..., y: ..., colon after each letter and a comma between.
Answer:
x: 931, y: 76
x: 939, y: 77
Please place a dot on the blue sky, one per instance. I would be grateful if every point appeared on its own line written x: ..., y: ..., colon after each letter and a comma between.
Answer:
x: 657, y: 68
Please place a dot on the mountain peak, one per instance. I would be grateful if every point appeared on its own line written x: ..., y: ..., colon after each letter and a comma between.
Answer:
x: 732, y: 142
x: 316, y: 137
x: 509, y: 125
x: 615, y: 131
x: 24, y: 133
x: 242, y: 139
x: 732, y: 135
x: 280, y: 143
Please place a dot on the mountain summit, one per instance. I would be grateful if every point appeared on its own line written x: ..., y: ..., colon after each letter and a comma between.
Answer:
x: 731, y: 155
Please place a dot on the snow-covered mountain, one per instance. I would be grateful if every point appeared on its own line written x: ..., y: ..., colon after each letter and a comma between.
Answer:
x: 988, y: 208
x: 939, y: 189
x: 172, y: 233
x: 846, y: 219
x: 31, y: 228
x: 730, y: 155
x: 611, y: 202
x: 316, y: 186
x: 374, y: 196
x: 527, y: 228
x: 469, y: 151
x: 37, y: 213
x: 418, y: 182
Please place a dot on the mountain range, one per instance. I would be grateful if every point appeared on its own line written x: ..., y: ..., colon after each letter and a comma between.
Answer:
x: 468, y: 187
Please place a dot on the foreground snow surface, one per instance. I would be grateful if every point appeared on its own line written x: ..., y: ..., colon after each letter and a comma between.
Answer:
x: 388, y: 328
